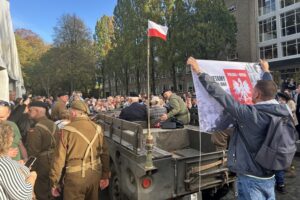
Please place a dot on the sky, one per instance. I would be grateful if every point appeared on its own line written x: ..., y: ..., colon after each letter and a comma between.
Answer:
x: 41, y: 16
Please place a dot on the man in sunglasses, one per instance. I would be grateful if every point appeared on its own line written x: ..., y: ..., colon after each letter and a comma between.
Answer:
x: 17, y: 150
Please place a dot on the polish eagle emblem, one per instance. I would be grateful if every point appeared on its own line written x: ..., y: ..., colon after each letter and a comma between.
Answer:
x: 242, y: 89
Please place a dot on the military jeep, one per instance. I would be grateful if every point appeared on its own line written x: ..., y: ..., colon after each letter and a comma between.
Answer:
x: 185, y: 164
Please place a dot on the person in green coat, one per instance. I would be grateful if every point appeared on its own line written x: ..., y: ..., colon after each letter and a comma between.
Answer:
x: 17, y: 150
x: 178, y: 108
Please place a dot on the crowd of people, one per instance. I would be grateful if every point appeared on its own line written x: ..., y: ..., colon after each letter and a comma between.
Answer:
x: 56, y: 134
x: 72, y: 155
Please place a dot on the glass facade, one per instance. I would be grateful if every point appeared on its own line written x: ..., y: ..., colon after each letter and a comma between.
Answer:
x: 267, y: 29
x: 268, y: 52
x: 279, y: 31
x: 290, y: 22
x: 266, y: 6
x: 291, y: 47
x: 285, y: 3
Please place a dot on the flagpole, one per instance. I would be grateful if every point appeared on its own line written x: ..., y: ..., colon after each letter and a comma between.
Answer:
x: 149, y: 139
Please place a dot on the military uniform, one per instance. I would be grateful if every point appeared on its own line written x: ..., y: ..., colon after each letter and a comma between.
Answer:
x: 178, y: 109
x: 41, y: 142
x: 82, y: 151
x: 58, y: 109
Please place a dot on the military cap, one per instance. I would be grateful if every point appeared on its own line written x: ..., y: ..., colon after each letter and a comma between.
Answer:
x: 38, y: 104
x: 80, y: 105
x: 62, y: 94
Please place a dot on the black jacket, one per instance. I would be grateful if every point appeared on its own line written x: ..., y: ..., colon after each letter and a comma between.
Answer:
x: 134, y: 112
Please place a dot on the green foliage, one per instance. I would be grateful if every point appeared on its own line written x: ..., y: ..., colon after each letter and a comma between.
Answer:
x: 30, y: 47
x: 104, y: 36
x: 69, y: 64
x: 204, y: 29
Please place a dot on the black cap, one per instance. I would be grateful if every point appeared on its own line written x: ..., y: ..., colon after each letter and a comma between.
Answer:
x: 284, y: 96
x: 133, y: 94
x: 38, y: 104
x: 62, y: 94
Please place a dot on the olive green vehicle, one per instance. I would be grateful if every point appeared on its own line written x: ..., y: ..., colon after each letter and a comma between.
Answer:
x: 185, y: 164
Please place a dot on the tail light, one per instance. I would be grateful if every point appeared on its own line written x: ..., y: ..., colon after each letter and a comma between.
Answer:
x: 146, y: 182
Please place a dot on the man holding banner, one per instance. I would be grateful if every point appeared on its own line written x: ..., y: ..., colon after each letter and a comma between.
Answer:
x: 251, y: 122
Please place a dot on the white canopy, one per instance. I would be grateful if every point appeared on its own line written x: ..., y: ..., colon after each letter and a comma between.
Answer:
x: 10, y: 70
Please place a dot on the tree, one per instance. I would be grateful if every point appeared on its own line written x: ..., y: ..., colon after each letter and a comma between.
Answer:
x: 214, y: 29
x: 202, y: 28
x: 30, y: 46
x: 77, y: 54
x: 104, y: 36
x: 30, y: 49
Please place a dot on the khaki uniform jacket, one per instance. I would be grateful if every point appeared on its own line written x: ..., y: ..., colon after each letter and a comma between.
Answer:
x: 71, y: 149
x: 41, y: 142
x: 178, y: 109
x: 57, y: 110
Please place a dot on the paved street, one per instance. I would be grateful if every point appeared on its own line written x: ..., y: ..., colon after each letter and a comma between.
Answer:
x: 293, y: 186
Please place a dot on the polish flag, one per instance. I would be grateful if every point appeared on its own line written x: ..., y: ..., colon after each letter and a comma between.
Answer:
x: 156, y: 30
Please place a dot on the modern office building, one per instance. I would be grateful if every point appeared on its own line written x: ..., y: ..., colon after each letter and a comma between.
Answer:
x: 269, y: 29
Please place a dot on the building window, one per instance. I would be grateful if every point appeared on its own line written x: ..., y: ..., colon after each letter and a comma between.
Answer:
x: 178, y: 70
x: 267, y: 29
x: 180, y: 88
x: 233, y: 57
x: 268, y: 52
x: 190, y: 87
x: 290, y: 22
x: 188, y: 70
x: 265, y: 6
x: 291, y: 47
x: 285, y: 3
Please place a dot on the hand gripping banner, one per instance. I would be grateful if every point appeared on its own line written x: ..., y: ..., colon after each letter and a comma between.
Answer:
x: 236, y: 78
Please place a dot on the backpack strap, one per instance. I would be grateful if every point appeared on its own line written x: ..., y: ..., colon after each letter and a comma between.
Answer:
x: 92, y: 164
x: 45, y: 128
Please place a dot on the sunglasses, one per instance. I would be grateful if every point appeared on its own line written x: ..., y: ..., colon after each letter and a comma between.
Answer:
x: 4, y: 103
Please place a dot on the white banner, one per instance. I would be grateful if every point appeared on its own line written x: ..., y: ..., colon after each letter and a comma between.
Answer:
x: 236, y: 78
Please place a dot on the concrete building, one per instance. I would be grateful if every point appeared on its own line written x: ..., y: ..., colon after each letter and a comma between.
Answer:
x: 269, y: 29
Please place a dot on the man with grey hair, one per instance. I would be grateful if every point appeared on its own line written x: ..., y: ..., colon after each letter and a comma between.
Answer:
x: 156, y: 111
x: 134, y: 112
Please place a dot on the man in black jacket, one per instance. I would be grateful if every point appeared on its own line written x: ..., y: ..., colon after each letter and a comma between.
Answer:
x: 134, y: 112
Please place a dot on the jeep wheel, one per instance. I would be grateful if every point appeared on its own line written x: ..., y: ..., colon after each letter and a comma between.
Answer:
x: 114, y: 186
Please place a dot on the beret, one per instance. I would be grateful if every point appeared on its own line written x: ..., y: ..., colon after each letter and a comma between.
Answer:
x: 80, y: 105
x: 38, y: 104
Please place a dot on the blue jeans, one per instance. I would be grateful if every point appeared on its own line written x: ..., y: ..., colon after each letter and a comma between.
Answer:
x: 250, y: 188
x: 279, y: 177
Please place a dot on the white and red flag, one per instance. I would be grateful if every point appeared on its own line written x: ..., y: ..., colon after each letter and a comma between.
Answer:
x: 156, y: 30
